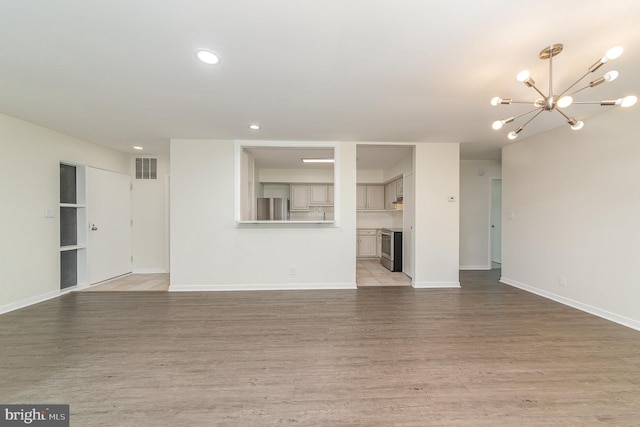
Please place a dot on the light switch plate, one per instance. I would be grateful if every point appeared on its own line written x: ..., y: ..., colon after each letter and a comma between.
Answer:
x: 49, y: 213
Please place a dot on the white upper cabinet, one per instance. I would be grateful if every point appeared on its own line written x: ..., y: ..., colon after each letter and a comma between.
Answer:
x: 299, y: 197
x: 320, y: 195
x: 392, y: 192
x: 370, y: 197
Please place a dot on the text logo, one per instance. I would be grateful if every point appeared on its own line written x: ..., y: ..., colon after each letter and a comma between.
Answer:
x: 34, y: 415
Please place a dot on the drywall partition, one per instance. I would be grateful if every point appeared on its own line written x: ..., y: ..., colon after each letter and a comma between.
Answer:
x: 571, y: 224
x: 475, y: 210
x: 150, y: 214
x: 209, y: 251
x: 29, y: 184
x: 437, y: 177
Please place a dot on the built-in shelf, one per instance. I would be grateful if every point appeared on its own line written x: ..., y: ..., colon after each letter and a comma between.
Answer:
x: 72, y: 248
x: 73, y: 226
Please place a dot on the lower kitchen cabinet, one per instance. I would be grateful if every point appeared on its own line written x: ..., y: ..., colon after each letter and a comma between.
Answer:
x: 366, y: 243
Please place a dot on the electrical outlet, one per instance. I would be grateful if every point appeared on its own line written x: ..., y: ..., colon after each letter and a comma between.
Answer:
x: 292, y: 270
x: 562, y: 281
x: 49, y: 213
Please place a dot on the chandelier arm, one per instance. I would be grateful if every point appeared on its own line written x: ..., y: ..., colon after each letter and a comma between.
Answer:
x: 579, y: 90
x: 529, y: 121
x: 529, y: 112
x: 550, y: 73
x: 565, y: 116
x: 538, y: 90
x: 605, y: 102
x: 575, y: 83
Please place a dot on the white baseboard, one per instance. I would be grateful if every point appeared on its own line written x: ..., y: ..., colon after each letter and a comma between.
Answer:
x: 261, y: 287
x: 435, y: 285
x: 475, y: 267
x: 149, y: 271
x: 30, y: 301
x: 616, y: 318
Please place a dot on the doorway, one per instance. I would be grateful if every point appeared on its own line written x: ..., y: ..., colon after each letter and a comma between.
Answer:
x: 109, y: 210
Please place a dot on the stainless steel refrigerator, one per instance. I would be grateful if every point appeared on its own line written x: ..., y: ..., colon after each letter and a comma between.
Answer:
x: 273, y: 209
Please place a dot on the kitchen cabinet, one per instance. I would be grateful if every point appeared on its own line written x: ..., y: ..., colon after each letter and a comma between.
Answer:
x: 299, y: 197
x: 366, y: 243
x: 392, y: 192
x: 320, y: 195
x: 370, y: 197
x: 390, y: 195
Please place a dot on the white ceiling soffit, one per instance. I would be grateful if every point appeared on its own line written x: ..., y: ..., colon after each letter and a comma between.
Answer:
x: 123, y: 73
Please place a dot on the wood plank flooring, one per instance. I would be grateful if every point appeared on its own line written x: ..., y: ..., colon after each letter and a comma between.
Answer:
x: 483, y: 355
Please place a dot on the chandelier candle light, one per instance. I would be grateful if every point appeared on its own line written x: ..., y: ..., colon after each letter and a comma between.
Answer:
x: 553, y: 102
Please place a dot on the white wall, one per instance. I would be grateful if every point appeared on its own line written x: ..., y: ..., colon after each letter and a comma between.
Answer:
x: 29, y: 183
x: 576, y: 203
x: 208, y: 250
x: 475, y: 210
x: 300, y: 176
x: 150, y: 232
x: 401, y: 167
x: 437, y: 176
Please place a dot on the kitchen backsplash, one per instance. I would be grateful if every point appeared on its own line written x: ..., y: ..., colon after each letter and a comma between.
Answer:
x: 379, y: 219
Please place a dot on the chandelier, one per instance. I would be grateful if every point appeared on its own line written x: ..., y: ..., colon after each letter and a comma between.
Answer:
x: 554, y: 102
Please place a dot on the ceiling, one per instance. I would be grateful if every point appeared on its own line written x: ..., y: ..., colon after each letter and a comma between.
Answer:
x: 123, y: 73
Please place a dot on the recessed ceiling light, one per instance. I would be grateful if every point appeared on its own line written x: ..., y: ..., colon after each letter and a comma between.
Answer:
x: 318, y: 160
x: 208, y: 57
x: 137, y: 147
x: 254, y: 127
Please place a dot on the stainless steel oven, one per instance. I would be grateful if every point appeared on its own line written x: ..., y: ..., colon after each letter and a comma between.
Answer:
x: 391, y: 249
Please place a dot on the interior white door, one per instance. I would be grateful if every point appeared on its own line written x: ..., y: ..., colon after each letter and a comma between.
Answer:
x: 496, y: 220
x: 109, y: 209
x: 408, y: 224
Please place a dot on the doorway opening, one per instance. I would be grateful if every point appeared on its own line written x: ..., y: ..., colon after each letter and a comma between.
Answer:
x: 384, y: 192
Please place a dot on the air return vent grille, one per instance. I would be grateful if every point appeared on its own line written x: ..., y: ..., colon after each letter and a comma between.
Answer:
x: 146, y: 168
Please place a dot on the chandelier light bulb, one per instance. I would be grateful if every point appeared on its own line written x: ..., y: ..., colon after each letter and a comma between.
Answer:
x: 614, y: 52
x: 523, y: 76
x: 564, y: 102
x: 539, y: 103
x: 611, y: 76
x: 512, y: 135
x: 627, y: 101
x: 578, y: 125
x: 496, y: 100
x: 497, y: 125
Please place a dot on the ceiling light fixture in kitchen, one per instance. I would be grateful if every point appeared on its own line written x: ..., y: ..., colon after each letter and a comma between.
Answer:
x: 318, y: 160
x: 551, y: 102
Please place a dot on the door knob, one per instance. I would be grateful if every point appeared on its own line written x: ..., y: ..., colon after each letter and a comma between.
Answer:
x: 93, y: 227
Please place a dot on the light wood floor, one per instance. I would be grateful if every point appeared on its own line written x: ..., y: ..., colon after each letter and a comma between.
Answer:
x: 483, y: 355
